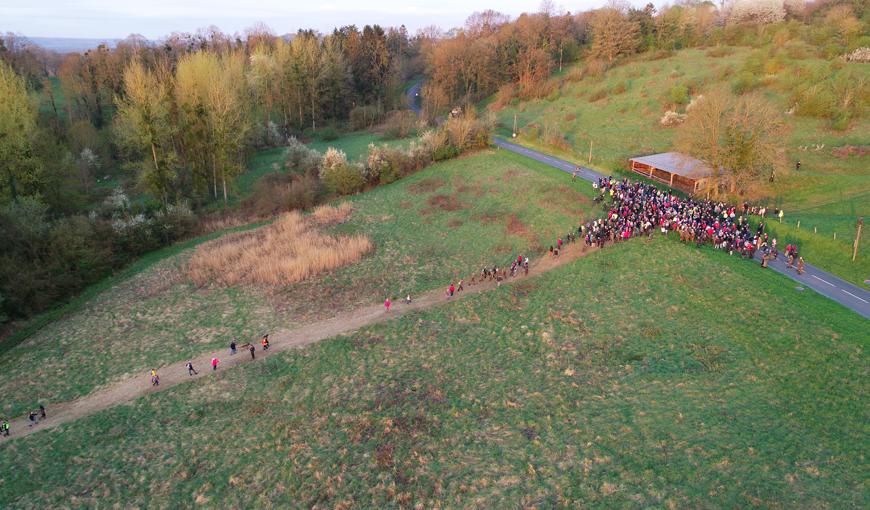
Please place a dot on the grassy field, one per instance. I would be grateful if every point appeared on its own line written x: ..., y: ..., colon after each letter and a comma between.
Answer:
x: 356, y: 145
x: 449, y: 219
x: 619, y: 114
x: 647, y: 375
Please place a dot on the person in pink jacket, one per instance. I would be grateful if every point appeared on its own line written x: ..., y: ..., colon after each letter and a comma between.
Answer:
x: 387, y: 304
x: 214, y: 363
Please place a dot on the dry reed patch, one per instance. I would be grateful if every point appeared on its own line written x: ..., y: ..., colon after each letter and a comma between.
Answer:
x: 288, y: 251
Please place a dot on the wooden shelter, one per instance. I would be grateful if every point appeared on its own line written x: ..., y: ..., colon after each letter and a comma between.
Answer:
x: 679, y: 171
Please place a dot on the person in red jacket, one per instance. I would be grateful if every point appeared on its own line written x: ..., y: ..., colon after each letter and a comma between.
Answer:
x: 388, y: 304
x: 214, y: 363
x: 451, y: 290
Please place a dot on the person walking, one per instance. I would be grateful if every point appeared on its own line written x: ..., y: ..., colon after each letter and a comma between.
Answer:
x: 451, y: 290
x: 800, y: 265
x: 155, y: 379
x: 41, y: 412
x: 190, y: 370
x: 233, y: 347
x: 32, y: 418
x: 5, y: 427
x: 251, y: 349
x: 388, y: 304
x: 265, y: 342
x: 408, y: 299
x: 214, y: 363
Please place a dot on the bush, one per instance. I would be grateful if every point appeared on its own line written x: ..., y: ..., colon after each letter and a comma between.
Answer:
x: 364, y: 117
x: 399, y: 124
x: 815, y: 101
x: 338, y: 175
x: 744, y: 83
x: 300, y: 158
x: 328, y: 134
x: 277, y: 193
x: 445, y: 152
x: 679, y: 94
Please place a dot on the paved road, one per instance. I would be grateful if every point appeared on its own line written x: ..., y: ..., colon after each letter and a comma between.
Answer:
x: 412, y: 95
x: 849, y: 295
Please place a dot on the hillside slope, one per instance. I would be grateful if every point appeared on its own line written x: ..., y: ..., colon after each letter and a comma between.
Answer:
x: 618, y: 113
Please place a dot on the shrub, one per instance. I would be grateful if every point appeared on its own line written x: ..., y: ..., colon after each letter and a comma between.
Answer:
x: 386, y: 164
x: 328, y: 134
x: 679, y: 94
x: 338, y: 175
x: 364, y: 117
x: 745, y: 82
x: 503, y: 97
x: 399, y: 124
x: 445, y: 152
x: 815, y: 101
x: 860, y: 55
x: 278, y: 193
x: 672, y: 118
x: 596, y: 67
x: 300, y: 158
x: 467, y: 132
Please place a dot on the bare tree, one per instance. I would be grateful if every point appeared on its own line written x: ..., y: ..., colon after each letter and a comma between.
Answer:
x: 738, y: 136
x: 613, y: 34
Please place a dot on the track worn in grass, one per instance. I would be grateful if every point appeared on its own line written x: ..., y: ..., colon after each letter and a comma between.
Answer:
x: 157, y: 317
x: 649, y: 374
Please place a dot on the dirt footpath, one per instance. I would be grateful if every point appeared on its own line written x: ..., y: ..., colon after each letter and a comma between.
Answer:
x: 129, y: 389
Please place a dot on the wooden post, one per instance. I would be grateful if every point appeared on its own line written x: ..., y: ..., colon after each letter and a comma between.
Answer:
x: 857, y: 238
x: 515, y: 125
x: 835, y: 236
x: 590, y: 152
x: 671, y: 183
x: 560, y: 57
x: 799, y: 225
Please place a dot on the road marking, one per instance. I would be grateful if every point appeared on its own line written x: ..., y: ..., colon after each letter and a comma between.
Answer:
x: 825, y: 281
x: 854, y: 296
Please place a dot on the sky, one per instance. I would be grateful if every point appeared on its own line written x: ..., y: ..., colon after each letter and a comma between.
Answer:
x: 157, y: 18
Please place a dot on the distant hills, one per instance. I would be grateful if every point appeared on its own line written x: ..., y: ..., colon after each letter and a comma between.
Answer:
x: 70, y: 44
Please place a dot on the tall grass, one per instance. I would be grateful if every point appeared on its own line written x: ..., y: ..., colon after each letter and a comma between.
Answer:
x: 289, y: 250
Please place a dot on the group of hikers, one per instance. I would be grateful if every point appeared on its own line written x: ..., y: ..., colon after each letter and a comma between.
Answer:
x: 34, y: 417
x: 215, y: 361
x: 495, y: 273
x: 638, y: 209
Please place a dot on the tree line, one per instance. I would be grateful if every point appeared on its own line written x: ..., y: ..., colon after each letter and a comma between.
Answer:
x: 516, y: 57
x: 180, y: 116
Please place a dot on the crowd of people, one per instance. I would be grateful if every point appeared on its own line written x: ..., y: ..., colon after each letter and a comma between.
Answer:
x: 638, y: 209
